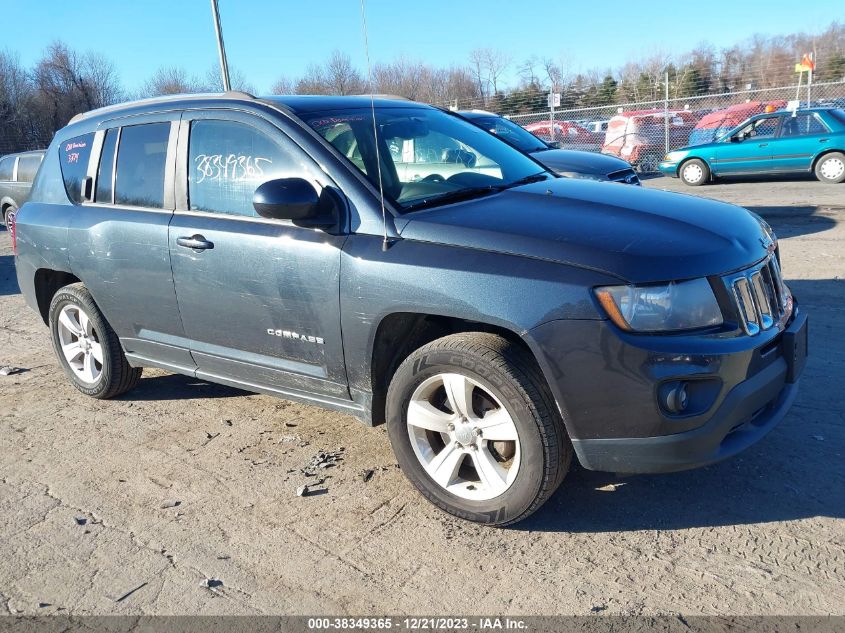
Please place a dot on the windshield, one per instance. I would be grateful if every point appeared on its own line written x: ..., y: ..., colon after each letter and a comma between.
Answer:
x: 514, y: 134
x: 428, y: 157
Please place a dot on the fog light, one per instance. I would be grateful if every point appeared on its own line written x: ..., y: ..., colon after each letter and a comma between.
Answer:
x: 674, y: 397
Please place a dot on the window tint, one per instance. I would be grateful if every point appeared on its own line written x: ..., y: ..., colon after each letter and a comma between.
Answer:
x: 762, y: 128
x: 802, y: 125
x: 105, y: 172
x: 227, y: 163
x: 28, y: 167
x: 140, y: 165
x: 73, y: 156
x: 7, y: 166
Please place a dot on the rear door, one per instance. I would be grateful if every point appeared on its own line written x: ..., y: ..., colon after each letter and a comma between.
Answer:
x: 799, y: 140
x: 749, y: 150
x: 118, y: 235
x: 259, y: 298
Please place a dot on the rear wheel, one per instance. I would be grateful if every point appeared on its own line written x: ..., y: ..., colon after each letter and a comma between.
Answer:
x: 474, y: 428
x: 831, y: 168
x: 7, y: 215
x: 87, y: 348
x: 694, y: 172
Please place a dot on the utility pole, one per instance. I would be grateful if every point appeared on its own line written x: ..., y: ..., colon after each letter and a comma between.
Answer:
x: 221, y: 49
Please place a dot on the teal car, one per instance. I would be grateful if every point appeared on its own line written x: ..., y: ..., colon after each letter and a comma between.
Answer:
x: 811, y: 140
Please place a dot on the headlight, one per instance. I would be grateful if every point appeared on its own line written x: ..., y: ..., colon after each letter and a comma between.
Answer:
x: 674, y: 157
x: 682, y: 305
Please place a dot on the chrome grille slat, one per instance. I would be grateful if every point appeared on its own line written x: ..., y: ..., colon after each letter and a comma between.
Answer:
x: 760, y: 295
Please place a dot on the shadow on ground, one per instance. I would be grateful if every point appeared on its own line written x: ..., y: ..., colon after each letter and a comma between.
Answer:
x: 796, y: 472
x: 179, y: 387
x: 8, y: 277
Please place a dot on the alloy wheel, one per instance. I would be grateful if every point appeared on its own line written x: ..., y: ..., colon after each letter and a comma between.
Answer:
x: 80, y: 344
x: 463, y: 436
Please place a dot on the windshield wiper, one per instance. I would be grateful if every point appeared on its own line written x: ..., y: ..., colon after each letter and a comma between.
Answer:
x: 473, y: 192
x: 543, y: 175
x: 453, y: 196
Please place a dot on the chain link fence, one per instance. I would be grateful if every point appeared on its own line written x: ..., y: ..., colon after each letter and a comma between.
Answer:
x: 643, y: 132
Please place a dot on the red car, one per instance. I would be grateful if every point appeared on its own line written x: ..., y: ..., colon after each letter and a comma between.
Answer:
x: 639, y: 136
x: 567, y: 135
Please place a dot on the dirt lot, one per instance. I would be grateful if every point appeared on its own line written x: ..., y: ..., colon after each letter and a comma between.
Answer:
x: 82, y: 485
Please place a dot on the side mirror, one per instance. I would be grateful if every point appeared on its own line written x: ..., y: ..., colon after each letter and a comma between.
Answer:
x: 286, y: 199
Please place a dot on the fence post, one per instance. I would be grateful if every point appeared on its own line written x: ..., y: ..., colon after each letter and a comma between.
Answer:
x: 666, y: 111
x: 552, y: 134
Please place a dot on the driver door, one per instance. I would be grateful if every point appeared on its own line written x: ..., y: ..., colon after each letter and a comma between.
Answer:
x: 259, y: 298
x: 748, y: 151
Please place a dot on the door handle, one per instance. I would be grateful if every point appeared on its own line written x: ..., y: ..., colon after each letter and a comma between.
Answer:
x: 823, y: 140
x: 762, y: 145
x: 196, y: 242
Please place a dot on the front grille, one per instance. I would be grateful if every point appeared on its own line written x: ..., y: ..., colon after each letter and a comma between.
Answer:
x: 624, y: 175
x: 761, y: 297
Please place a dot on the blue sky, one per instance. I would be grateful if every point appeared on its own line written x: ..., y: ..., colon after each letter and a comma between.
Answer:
x: 268, y: 38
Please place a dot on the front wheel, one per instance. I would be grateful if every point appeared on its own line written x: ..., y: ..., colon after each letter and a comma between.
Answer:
x: 831, y: 168
x: 474, y: 428
x: 694, y: 172
x: 87, y: 347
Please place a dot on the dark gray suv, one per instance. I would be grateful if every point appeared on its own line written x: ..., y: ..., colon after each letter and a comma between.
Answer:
x: 17, y: 171
x: 400, y: 264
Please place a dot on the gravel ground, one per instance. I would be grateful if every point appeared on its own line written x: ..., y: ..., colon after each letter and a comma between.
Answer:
x: 131, y: 506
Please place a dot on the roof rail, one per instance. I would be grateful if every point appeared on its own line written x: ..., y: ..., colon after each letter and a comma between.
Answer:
x: 231, y: 94
x: 382, y: 96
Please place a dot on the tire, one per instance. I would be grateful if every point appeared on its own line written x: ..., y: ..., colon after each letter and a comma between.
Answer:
x: 830, y: 168
x: 7, y: 212
x: 520, y: 473
x: 694, y: 172
x: 80, y: 333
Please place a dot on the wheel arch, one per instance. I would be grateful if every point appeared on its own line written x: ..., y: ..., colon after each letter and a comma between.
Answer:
x: 47, y: 283
x: 822, y: 154
x: 398, y: 334
x: 687, y: 159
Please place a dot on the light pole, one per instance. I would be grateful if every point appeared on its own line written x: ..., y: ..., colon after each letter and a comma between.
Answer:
x: 221, y: 49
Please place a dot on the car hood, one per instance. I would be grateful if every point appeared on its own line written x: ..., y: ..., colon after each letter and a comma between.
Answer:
x: 636, y: 234
x: 590, y: 163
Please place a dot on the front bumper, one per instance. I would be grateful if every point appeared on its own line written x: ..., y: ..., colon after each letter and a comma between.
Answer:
x: 607, y: 426
x: 668, y: 168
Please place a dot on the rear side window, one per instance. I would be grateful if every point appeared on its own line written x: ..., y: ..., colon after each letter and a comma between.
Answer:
x: 105, y: 172
x: 228, y: 161
x: 141, y: 158
x: 7, y: 166
x: 73, y: 156
x: 28, y: 167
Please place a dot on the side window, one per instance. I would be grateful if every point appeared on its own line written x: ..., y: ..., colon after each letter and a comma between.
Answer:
x: 73, y: 156
x: 105, y: 171
x: 766, y: 128
x: 141, y: 158
x: 803, y: 125
x: 227, y: 162
x: 28, y: 167
x: 7, y: 167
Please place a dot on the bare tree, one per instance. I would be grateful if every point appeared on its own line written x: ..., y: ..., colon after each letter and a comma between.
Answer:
x: 170, y: 80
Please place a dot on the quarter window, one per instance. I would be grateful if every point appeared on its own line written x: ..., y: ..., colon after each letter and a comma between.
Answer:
x: 7, y: 167
x: 73, y: 156
x: 28, y: 167
x: 227, y: 162
x: 141, y: 159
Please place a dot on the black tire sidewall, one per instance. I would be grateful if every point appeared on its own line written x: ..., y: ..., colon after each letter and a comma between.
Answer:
x: 74, y: 295
x: 529, y: 480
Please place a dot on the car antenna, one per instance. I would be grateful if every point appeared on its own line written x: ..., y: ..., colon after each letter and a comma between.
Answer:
x: 385, y: 243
